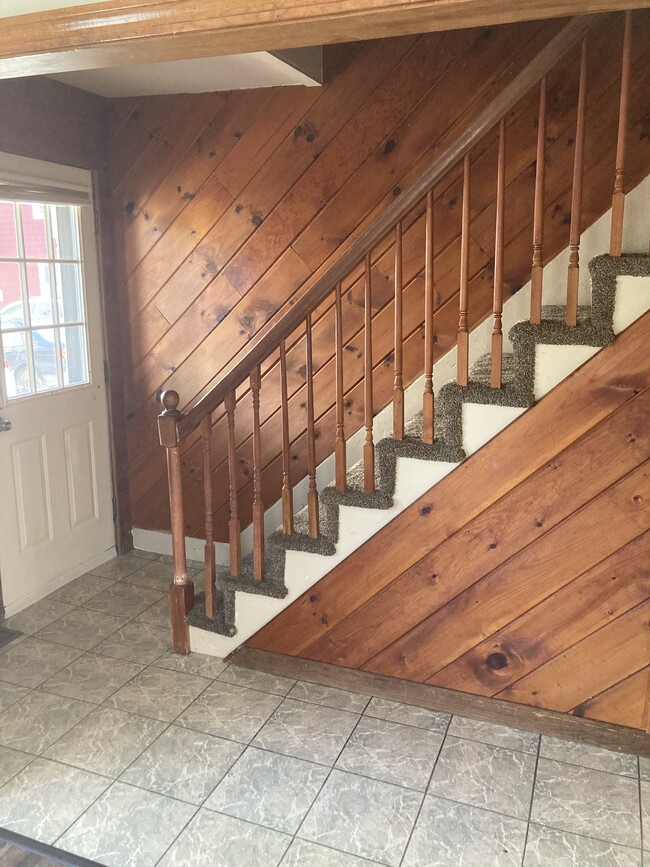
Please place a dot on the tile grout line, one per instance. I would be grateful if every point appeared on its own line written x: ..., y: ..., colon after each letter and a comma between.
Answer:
x: 424, y: 796
x: 530, y: 805
x: 332, y: 766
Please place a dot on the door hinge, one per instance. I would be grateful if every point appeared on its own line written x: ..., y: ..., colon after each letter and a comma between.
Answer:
x: 105, y: 371
x: 96, y: 216
x: 114, y: 509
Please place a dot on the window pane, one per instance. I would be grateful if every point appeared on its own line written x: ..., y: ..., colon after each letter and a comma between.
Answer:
x: 11, y: 306
x: 8, y: 244
x: 39, y: 293
x: 45, y: 367
x: 16, y: 363
x: 65, y: 241
x: 32, y: 216
x: 75, y: 355
x: 69, y: 294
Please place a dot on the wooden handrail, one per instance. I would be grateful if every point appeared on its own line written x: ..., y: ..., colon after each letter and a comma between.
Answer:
x: 573, y: 32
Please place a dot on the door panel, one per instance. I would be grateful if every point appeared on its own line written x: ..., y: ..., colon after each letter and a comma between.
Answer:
x: 56, y: 511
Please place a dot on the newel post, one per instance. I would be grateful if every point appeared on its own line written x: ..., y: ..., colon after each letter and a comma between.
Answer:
x: 181, y: 590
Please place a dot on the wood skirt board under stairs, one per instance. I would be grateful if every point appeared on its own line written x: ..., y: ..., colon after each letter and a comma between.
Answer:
x: 602, y: 734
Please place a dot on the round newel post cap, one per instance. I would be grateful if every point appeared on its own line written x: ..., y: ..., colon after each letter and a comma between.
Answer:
x: 170, y: 400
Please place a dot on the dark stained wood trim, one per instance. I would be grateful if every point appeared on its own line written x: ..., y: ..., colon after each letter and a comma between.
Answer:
x: 611, y: 737
x: 365, y: 243
x: 123, y: 32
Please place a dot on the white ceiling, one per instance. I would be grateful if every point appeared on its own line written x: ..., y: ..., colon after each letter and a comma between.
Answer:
x: 200, y: 75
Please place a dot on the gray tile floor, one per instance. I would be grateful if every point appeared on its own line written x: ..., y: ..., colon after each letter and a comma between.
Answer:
x: 113, y: 748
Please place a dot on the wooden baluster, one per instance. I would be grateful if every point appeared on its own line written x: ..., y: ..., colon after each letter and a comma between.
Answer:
x: 427, y: 401
x: 398, y: 386
x: 181, y: 590
x: 497, y: 301
x: 209, y: 555
x: 462, y: 372
x: 573, y: 275
x: 340, y: 457
x: 618, y: 198
x: 537, y: 271
x: 258, y: 503
x: 287, y: 492
x: 234, y: 527
x: 369, y: 446
x: 312, y: 492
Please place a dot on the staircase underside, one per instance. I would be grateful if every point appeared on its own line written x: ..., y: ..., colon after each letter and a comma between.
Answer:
x: 465, y: 418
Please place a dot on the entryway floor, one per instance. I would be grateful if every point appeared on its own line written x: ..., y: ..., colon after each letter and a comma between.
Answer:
x: 115, y: 749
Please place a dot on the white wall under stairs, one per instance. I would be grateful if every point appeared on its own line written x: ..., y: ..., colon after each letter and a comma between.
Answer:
x: 480, y: 424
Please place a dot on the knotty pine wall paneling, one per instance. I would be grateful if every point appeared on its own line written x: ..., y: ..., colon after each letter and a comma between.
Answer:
x: 227, y: 206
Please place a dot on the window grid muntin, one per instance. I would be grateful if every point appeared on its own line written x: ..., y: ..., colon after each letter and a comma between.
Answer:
x: 56, y: 325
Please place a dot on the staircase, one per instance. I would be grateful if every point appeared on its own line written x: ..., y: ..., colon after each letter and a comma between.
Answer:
x: 238, y: 599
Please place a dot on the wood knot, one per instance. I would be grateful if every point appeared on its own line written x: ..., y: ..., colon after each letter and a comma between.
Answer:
x: 493, y: 545
x: 496, y: 661
x: 425, y: 510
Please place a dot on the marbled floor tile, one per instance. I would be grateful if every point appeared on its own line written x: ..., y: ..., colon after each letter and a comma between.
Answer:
x: 183, y: 764
x: 256, y: 680
x: 330, y: 697
x: 497, y: 735
x: 391, y: 752
x: 306, y: 731
x: 303, y: 853
x: 158, y: 614
x: 362, y: 817
x: 589, y: 756
x: 421, y: 717
x: 644, y: 768
x: 269, y: 789
x: 448, y: 834
x: 11, y: 761
x: 119, y: 567
x: 158, y: 693
x: 136, y: 642
x: 240, y: 844
x: 127, y: 827
x: 45, y: 798
x: 39, y: 720
x: 229, y: 711
x: 106, y: 742
x: 483, y: 775
x: 123, y: 600
x: 548, y: 847
x: 645, y: 813
x: 584, y: 801
x: 81, y: 589
x: 193, y: 663
x: 143, y: 555
x: 81, y: 628
x: 155, y: 575
x: 38, y: 615
x: 10, y: 693
x: 31, y: 662
x: 92, y: 677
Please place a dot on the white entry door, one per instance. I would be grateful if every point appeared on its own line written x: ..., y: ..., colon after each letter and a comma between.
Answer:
x: 56, y: 506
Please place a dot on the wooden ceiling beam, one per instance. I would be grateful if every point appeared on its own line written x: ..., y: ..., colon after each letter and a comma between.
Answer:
x: 143, y: 31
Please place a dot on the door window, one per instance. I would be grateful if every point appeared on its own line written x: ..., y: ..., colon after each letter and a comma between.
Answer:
x: 43, y: 325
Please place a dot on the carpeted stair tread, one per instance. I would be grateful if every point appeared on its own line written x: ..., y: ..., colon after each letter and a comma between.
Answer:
x: 594, y: 328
